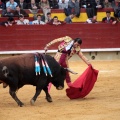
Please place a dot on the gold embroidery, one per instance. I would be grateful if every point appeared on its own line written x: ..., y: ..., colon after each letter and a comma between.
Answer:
x: 66, y: 39
x: 57, y: 56
x: 74, y: 50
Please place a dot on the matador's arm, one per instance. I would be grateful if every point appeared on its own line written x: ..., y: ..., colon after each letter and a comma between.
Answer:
x: 66, y: 39
x: 80, y: 54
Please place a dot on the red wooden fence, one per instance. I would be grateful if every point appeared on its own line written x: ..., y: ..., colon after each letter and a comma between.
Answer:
x: 35, y: 37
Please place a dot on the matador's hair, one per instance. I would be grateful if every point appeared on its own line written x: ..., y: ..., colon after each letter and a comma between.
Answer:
x: 78, y: 40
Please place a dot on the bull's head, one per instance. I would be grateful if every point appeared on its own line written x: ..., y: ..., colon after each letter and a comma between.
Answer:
x: 59, y: 79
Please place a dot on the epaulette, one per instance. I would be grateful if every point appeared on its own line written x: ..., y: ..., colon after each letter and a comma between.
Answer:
x: 67, y: 39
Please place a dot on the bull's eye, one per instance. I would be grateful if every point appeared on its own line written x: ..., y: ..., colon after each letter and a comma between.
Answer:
x: 3, y: 71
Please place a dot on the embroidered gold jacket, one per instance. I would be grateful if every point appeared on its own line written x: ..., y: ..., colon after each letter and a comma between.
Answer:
x: 66, y: 41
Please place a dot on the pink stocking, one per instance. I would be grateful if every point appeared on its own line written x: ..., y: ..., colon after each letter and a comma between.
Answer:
x: 49, y: 86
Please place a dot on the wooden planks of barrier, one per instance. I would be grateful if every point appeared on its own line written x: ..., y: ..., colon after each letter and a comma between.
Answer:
x: 35, y: 37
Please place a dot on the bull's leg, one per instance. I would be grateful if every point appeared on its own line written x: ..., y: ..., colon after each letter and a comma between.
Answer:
x: 32, y: 101
x: 4, y: 84
x: 13, y: 94
x: 48, y: 97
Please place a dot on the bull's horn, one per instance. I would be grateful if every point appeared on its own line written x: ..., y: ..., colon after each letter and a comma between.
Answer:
x: 68, y: 69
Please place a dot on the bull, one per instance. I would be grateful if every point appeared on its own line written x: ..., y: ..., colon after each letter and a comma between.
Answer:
x: 19, y: 70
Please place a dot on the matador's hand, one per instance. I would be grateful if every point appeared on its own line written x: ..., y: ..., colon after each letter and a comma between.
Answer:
x: 88, y: 63
x: 45, y: 49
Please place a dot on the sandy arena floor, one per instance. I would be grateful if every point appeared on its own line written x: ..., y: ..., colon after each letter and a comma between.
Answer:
x: 102, y: 103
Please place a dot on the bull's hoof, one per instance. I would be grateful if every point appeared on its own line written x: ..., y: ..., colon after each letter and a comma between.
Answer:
x: 49, y: 99
x: 32, y: 102
x: 20, y: 104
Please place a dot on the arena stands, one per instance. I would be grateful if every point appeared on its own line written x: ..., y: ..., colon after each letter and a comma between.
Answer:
x: 61, y: 14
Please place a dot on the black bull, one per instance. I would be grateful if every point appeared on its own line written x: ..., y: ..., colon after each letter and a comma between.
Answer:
x: 19, y: 70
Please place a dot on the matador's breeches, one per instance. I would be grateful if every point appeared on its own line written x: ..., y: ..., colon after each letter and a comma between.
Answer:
x: 61, y: 58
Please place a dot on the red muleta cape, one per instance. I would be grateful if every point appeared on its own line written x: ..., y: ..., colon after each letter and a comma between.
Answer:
x: 83, y: 84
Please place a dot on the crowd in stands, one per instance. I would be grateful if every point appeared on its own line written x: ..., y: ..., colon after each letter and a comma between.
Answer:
x: 71, y: 8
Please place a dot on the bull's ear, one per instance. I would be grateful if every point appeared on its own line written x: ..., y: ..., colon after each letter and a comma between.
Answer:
x: 69, y: 70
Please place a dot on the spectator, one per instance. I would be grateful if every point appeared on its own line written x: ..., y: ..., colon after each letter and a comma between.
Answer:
x: 7, y: 12
x: 63, y: 4
x: 92, y: 20
x: 23, y: 4
x: 69, y: 18
x: 55, y: 21
x: 38, y: 21
x: 49, y: 18
x: 17, y: 1
x: 45, y: 6
x: 27, y: 1
x: 2, y: 5
x: 113, y: 4
x: 19, y: 11
x: 89, y: 9
x: 22, y: 21
x: 117, y: 10
x: 73, y: 6
x: 107, y: 4
x: 83, y: 3
x: 33, y: 5
x: 60, y: 1
x: 108, y: 18
x: 96, y: 4
x: 53, y: 4
x: 9, y: 22
x: 12, y: 4
x: 92, y: 7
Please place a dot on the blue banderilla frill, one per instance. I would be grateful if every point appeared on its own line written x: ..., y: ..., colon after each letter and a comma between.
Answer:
x: 37, y: 66
x: 41, y: 58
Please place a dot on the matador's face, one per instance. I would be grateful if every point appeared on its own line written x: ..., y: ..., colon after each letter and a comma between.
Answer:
x: 76, y: 44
